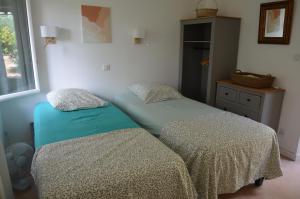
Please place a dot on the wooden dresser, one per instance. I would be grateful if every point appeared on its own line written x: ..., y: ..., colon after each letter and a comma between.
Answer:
x: 262, y: 105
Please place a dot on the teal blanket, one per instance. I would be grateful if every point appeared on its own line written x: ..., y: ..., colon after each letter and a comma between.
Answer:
x: 51, y: 125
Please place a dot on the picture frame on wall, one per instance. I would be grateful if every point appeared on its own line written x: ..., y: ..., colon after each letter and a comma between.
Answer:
x: 96, y: 24
x: 275, y: 22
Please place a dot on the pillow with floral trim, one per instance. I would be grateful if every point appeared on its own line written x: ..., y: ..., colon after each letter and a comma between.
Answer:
x: 152, y: 92
x: 74, y: 99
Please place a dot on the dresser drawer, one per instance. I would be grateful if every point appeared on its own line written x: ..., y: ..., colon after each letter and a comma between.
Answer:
x: 248, y: 114
x: 237, y: 110
x: 225, y: 106
x: 227, y: 93
x: 250, y: 100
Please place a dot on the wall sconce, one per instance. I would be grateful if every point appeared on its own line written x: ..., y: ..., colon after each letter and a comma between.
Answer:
x: 49, y: 33
x: 138, y: 35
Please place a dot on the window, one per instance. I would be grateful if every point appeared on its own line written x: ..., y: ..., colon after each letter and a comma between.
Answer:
x: 17, y: 56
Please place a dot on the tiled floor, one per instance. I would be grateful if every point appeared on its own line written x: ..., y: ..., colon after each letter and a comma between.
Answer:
x: 286, y: 187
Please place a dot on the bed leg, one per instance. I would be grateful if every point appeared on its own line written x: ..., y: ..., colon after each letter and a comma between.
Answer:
x: 259, y: 182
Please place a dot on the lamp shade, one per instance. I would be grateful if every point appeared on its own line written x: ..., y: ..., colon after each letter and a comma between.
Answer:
x: 139, y: 33
x: 48, y: 31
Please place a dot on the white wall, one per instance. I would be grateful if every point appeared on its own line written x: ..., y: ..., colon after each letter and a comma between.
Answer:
x: 73, y: 64
x: 17, y: 116
x: 157, y: 61
x: 275, y: 59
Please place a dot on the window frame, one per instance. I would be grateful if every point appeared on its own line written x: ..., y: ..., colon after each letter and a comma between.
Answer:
x: 34, y: 61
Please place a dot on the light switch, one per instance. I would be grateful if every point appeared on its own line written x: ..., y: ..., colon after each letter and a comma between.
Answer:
x: 106, y: 67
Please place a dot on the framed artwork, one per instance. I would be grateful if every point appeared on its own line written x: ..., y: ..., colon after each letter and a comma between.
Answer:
x: 96, y: 24
x: 275, y: 22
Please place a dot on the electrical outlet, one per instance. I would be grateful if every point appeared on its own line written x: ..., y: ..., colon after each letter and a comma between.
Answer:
x: 106, y: 67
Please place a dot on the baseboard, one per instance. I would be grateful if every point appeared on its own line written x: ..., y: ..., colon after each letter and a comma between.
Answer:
x: 290, y: 155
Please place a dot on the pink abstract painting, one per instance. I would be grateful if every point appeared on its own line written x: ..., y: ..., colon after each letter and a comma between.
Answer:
x: 275, y: 23
x: 96, y: 24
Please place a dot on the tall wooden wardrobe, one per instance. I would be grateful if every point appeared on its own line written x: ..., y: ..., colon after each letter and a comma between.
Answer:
x: 209, y: 48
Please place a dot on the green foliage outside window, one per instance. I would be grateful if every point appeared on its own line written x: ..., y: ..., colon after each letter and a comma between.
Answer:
x: 7, y: 36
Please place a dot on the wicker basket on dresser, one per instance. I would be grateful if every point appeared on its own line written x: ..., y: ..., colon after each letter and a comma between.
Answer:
x: 262, y: 105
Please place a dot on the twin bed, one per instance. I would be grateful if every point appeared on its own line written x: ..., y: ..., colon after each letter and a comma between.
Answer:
x: 101, y: 153
x: 222, y: 151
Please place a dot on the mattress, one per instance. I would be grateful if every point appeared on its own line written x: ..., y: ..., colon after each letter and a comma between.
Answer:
x: 153, y: 117
x: 52, y: 125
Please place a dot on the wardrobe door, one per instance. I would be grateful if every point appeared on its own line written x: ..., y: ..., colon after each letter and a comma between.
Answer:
x: 195, y: 60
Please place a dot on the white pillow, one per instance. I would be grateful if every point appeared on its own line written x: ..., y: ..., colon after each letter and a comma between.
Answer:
x: 151, y: 93
x: 74, y: 99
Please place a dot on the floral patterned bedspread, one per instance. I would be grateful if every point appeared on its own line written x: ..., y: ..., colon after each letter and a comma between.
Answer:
x: 224, y: 152
x: 122, y: 164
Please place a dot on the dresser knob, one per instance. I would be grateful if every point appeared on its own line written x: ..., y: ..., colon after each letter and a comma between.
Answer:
x: 226, y: 94
x: 248, y: 100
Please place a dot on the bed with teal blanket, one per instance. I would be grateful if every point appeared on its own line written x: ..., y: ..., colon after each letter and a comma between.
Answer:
x: 51, y: 125
x: 102, y: 153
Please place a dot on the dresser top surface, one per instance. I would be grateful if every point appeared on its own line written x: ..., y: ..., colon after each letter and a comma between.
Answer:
x: 212, y: 17
x: 264, y: 90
